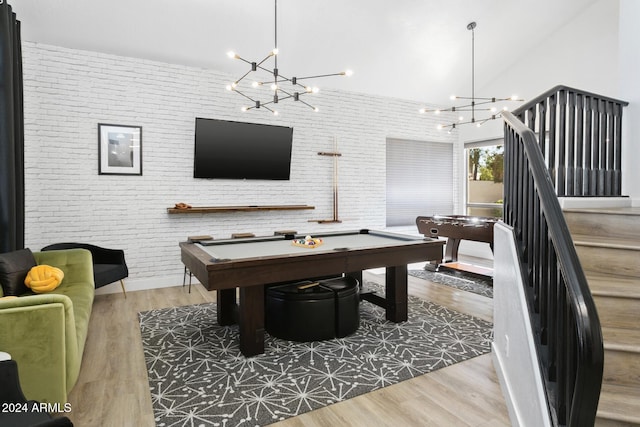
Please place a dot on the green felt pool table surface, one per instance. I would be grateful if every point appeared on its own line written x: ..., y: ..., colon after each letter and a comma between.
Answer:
x: 277, y: 246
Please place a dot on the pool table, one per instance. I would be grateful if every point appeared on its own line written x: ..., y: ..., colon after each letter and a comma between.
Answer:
x: 251, y: 263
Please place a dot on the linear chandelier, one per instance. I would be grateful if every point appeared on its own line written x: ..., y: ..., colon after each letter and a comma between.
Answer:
x: 474, y: 102
x: 282, y: 87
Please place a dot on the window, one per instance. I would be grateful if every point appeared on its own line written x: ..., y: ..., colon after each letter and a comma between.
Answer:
x: 419, y: 180
x: 485, y: 189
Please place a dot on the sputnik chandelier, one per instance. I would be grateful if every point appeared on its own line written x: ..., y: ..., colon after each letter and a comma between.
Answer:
x: 472, y: 106
x: 282, y: 87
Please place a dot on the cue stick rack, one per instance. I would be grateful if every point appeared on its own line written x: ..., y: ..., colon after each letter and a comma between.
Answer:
x: 335, y: 154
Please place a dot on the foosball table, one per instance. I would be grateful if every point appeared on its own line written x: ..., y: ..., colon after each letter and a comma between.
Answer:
x: 457, y: 228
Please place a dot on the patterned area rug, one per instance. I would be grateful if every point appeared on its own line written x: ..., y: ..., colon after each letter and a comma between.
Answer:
x: 198, y: 377
x: 464, y: 282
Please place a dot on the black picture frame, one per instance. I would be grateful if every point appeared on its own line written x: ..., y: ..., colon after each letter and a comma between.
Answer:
x: 119, y: 149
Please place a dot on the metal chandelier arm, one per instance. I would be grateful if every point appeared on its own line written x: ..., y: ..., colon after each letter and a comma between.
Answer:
x: 342, y: 73
x: 472, y: 105
x: 296, y: 97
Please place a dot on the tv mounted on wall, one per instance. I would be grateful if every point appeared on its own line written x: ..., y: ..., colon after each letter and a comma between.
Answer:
x: 238, y: 150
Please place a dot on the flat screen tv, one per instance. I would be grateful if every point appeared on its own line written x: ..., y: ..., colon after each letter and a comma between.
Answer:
x: 237, y: 150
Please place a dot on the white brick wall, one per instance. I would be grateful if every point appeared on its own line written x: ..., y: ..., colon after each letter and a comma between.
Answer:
x: 68, y: 92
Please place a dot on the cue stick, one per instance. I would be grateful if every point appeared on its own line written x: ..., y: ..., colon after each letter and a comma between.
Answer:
x: 335, y: 156
x: 335, y: 180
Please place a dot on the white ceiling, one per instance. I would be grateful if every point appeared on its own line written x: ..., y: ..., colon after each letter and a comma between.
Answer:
x: 411, y: 49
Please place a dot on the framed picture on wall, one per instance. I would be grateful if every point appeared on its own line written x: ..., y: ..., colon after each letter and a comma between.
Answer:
x: 119, y: 149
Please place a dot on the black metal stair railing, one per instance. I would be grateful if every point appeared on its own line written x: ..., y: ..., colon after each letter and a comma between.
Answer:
x: 580, y: 135
x: 565, y: 321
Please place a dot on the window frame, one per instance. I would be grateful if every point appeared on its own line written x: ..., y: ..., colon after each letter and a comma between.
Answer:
x: 491, y: 142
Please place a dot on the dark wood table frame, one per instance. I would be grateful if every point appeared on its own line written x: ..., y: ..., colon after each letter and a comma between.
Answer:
x: 250, y: 275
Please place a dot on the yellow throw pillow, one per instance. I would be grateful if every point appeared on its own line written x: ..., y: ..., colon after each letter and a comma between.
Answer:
x: 43, y: 278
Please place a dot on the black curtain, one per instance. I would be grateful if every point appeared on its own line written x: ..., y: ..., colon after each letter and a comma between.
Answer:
x: 11, y: 133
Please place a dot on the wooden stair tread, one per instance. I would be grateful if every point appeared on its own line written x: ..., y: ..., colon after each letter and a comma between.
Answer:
x: 619, y: 403
x: 621, y: 339
x: 606, y: 242
x: 613, y: 285
x: 628, y: 210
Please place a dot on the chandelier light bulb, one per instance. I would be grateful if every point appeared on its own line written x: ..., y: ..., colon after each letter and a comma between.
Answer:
x: 348, y: 73
x: 255, y: 84
x: 422, y: 110
x: 461, y: 118
x: 275, y: 51
x: 316, y: 109
x: 439, y: 127
x: 453, y: 97
x: 437, y: 112
x: 493, y: 109
x: 315, y: 89
x: 231, y: 54
x: 244, y: 109
x: 514, y: 97
x: 274, y: 86
x: 505, y: 108
x: 275, y: 113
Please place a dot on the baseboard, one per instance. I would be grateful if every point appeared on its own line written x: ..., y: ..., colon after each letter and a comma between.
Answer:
x: 141, y: 284
x: 505, y: 385
x: 594, y: 202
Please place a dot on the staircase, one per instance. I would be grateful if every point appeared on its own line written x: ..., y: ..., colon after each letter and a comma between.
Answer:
x: 608, y: 245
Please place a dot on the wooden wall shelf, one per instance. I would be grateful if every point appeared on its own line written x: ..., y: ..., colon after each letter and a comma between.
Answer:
x: 250, y: 208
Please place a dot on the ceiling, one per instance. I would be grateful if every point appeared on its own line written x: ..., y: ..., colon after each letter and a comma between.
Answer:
x: 410, y: 49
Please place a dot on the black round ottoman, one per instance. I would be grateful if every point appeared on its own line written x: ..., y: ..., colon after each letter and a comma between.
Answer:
x: 313, y: 310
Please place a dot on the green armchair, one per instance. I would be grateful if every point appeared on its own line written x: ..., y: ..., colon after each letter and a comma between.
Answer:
x: 46, y: 333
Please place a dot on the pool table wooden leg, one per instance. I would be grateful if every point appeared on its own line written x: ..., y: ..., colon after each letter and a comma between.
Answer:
x: 251, y: 320
x: 227, y: 307
x: 396, y: 293
x: 356, y: 275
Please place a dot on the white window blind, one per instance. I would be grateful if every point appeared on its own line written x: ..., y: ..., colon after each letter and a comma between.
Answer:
x: 419, y: 180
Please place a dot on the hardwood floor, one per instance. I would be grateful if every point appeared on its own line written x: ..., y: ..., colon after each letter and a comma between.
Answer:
x: 112, y: 389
